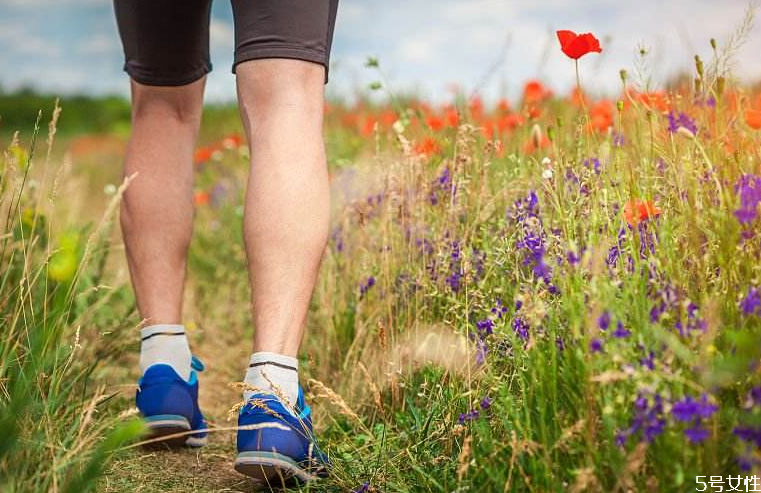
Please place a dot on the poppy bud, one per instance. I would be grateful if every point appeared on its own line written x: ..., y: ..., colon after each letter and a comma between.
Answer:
x: 536, y: 135
x: 620, y: 105
x: 559, y: 122
x: 551, y: 133
x: 623, y: 74
x: 699, y: 65
x: 720, y: 84
x: 713, y: 43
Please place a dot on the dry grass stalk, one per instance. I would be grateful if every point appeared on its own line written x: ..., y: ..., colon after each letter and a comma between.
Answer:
x: 634, y: 462
x: 585, y: 481
x: 568, y: 434
x: 382, y: 335
x: 321, y: 391
x: 371, y: 383
x: 464, y: 459
x: 232, y: 413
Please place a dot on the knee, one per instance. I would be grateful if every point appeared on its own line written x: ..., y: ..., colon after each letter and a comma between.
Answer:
x: 182, y: 104
x: 278, y: 82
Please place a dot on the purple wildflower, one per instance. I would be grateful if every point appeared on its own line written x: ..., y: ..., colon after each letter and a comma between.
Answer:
x: 749, y: 189
x: 365, y: 286
x: 469, y: 416
x: 559, y: 343
x: 620, y: 331
x: 752, y: 302
x: 604, y: 321
x: 689, y: 408
x: 696, y: 433
x: 595, y: 345
x: 498, y: 309
x: 593, y: 164
x: 572, y: 257
x: 648, y: 420
x: 363, y: 488
x: 485, y: 403
x: 520, y: 327
x: 681, y: 120
x: 748, y: 434
x: 485, y: 326
x: 648, y: 361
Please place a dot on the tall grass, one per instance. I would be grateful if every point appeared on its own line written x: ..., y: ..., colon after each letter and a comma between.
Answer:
x: 547, y: 306
x: 53, y: 435
x: 552, y: 296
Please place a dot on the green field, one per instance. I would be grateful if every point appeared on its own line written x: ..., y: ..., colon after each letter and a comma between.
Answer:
x: 558, y: 293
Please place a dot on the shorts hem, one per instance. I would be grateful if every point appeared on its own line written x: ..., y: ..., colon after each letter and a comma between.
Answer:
x: 259, y: 53
x: 147, y: 78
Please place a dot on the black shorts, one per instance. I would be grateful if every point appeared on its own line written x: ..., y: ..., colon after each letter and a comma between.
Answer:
x: 166, y: 42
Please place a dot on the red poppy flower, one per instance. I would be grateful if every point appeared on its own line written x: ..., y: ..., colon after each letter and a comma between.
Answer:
x: 534, y: 92
x: 368, y: 127
x: 577, y: 45
x: 427, y: 147
x: 436, y: 123
x: 753, y: 118
x: 232, y: 141
x: 202, y: 154
x: 637, y: 210
x: 452, y: 118
x: 201, y: 198
x: 601, y: 115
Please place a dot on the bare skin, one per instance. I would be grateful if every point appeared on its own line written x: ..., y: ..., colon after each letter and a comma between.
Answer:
x: 287, y: 201
x: 286, y: 219
x: 157, y: 210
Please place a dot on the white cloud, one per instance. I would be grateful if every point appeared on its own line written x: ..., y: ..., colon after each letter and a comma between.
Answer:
x: 221, y: 34
x: 421, y: 44
x: 100, y: 44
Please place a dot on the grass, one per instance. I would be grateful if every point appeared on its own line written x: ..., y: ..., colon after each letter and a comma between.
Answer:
x: 550, y: 297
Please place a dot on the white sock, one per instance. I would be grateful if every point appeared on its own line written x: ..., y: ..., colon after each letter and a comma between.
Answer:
x: 267, y: 370
x: 165, y: 344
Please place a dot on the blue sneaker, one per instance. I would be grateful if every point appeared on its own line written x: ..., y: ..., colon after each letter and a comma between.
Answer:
x: 275, y: 445
x: 169, y: 405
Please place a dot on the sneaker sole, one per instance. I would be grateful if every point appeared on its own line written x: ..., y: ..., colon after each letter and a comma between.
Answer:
x: 269, y: 467
x: 165, y: 425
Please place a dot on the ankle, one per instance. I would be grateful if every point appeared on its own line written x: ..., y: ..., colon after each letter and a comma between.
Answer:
x: 165, y: 344
x: 275, y: 373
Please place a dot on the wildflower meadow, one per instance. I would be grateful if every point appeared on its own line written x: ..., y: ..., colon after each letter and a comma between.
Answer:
x: 560, y: 292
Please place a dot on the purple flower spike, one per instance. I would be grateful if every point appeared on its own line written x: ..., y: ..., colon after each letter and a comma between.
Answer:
x: 681, y: 120
x: 604, y: 321
x: 621, y: 332
x: 485, y: 403
x: 696, y: 433
x: 752, y: 302
x: 595, y: 345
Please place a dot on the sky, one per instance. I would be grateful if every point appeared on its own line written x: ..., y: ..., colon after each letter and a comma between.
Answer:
x: 431, y: 47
